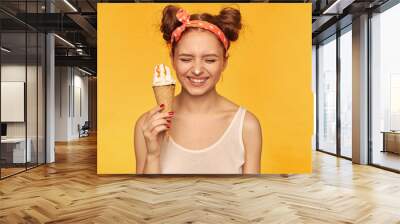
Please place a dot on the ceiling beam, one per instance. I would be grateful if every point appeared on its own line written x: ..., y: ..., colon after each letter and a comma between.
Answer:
x: 337, y: 6
x: 83, y: 61
x: 84, y: 24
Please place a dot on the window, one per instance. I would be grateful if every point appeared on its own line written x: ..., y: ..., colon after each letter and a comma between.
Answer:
x: 346, y: 93
x: 327, y: 95
x: 385, y: 88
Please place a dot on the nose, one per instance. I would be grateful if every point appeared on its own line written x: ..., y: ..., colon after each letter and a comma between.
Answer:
x: 197, y: 69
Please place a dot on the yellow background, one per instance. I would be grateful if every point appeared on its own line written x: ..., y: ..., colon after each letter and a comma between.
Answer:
x: 269, y: 73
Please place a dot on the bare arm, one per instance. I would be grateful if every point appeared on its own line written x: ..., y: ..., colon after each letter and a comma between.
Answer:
x: 140, y: 146
x: 149, y: 133
x: 143, y: 163
x: 252, y: 140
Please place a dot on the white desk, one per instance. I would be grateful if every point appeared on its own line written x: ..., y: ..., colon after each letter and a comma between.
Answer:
x: 19, y: 149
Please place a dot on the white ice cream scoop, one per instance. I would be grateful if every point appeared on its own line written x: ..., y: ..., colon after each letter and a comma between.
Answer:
x: 162, y: 76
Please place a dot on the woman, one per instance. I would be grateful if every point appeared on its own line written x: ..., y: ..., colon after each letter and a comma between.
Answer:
x: 207, y: 133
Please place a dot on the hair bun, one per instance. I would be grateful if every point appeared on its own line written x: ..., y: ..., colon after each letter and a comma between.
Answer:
x: 229, y: 20
x: 169, y: 22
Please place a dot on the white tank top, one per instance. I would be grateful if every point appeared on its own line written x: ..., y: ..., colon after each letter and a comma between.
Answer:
x: 225, y: 156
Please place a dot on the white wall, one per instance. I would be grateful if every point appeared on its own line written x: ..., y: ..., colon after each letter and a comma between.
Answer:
x: 62, y: 81
x: 80, y: 83
x: 71, y: 87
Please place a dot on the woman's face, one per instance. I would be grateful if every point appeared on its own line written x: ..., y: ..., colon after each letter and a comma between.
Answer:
x: 198, y: 61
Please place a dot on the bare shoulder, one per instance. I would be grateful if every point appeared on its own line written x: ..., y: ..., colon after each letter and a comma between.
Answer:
x: 251, y: 124
x: 228, y: 105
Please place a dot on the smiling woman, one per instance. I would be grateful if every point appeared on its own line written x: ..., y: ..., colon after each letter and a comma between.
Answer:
x: 207, y: 133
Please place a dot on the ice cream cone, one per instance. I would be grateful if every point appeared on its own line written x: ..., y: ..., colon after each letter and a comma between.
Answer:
x: 165, y: 95
x: 164, y: 88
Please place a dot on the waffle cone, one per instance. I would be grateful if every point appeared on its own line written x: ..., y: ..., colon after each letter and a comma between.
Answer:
x: 165, y: 95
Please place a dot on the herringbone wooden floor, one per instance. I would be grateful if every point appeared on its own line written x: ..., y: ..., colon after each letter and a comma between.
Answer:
x: 69, y: 191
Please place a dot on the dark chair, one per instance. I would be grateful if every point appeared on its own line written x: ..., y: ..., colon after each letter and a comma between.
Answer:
x: 84, y: 130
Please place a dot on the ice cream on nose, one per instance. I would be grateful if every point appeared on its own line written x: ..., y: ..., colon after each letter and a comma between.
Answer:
x: 163, y: 86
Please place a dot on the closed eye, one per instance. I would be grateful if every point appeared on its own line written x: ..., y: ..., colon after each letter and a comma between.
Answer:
x: 210, y: 61
x: 185, y: 59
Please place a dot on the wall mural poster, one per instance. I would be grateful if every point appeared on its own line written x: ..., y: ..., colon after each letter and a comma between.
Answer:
x: 204, y: 88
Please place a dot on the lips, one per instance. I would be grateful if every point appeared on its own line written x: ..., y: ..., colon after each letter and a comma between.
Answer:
x: 197, y: 81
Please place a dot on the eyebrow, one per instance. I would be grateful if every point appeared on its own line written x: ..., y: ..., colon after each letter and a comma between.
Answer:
x: 187, y: 55
x: 190, y: 55
x: 208, y: 55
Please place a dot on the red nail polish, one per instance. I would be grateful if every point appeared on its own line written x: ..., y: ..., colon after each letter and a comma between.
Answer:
x: 169, y: 121
x: 171, y: 113
x: 162, y: 105
x: 168, y: 125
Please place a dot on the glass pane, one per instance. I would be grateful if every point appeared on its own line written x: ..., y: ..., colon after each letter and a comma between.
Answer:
x: 23, y: 88
x: 346, y: 94
x: 314, y: 87
x: 31, y: 84
x: 386, y: 89
x: 327, y: 96
x: 13, y: 89
x: 31, y: 100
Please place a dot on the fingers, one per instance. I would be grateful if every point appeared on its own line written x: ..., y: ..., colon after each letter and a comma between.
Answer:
x: 160, y: 122
x: 157, y: 123
x: 155, y: 110
x: 158, y: 129
x: 150, y: 114
x: 165, y: 115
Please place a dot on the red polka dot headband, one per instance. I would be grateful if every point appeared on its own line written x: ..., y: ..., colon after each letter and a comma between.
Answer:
x: 184, y: 17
